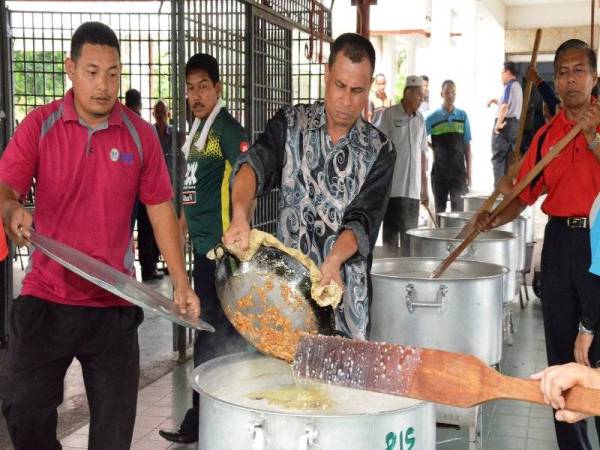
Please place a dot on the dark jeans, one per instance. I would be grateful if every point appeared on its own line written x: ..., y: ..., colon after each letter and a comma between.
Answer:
x: 402, y: 214
x: 224, y: 341
x: 444, y: 188
x: 148, y: 251
x: 565, y: 267
x: 503, y: 145
x: 44, y: 339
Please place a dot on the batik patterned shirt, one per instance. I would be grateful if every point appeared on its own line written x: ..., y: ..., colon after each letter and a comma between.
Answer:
x: 326, y: 188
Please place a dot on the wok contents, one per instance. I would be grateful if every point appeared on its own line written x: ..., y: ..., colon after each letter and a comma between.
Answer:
x: 265, y: 325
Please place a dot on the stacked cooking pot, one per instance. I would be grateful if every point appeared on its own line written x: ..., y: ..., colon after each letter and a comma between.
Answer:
x: 240, y: 410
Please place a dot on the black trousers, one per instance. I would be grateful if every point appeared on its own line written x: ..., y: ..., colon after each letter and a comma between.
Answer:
x: 443, y: 188
x: 224, y: 341
x: 566, y: 281
x: 402, y: 214
x: 503, y: 145
x: 148, y: 251
x: 44, y: 339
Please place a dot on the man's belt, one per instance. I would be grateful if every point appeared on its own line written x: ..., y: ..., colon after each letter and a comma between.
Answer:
x: 572, y: 222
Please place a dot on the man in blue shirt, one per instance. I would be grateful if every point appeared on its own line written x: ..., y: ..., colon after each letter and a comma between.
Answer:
x: 451, y: 141
x: 506, y: 125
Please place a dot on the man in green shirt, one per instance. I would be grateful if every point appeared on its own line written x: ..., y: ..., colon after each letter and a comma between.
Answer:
x: 213, y: 145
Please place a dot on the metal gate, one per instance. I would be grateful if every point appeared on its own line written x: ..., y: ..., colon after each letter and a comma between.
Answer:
x: 6, y: 273
x: 261, y: 51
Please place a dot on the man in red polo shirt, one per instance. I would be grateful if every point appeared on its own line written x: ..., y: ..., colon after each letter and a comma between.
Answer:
x: 90, y: 158
x: 570, y: 298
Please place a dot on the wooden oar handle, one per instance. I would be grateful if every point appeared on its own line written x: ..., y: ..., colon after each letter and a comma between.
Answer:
x: 527, y: 94
x: 578, y: 398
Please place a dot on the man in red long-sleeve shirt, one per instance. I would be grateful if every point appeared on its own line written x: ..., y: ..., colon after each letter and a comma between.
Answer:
x: 570, y: 303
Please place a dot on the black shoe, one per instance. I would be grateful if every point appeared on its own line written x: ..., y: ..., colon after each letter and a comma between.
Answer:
x: 179, y: 436
x: 152, y: 276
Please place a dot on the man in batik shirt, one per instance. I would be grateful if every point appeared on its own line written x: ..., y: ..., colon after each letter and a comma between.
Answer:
x: 334, y: 171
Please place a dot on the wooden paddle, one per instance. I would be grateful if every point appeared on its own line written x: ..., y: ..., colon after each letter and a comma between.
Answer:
x: 514, y: 167
x: 431, y: 216
x: 560, y: 145
x: 433, y: 375
x: 487, y: 205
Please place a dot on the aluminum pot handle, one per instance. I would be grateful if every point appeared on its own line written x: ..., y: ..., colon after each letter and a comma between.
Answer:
x: 257, y: 435
x: 412, y: 304
x: 308, y: 441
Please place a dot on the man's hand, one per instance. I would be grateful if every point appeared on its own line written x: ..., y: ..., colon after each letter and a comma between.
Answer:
x: 187, y: 300
x: 483, y: 222
x: 499, y: 127
x: 17, y: 222
x: 492, y: 101
x: 330, y: 270
x: 425, y: 197
x: 238, y: 233
x: 582, y: 347
x: 556, y: 379
x: 591, y: 117
x: 532, y: 74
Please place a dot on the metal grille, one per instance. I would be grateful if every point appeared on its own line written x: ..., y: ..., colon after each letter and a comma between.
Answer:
x: 263, y: 48
x: 263, y: 64
x: 41, y: 41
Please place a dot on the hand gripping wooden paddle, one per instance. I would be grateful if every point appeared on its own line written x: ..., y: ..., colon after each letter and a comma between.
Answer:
x: 560, y: 145
x: 433, y: 375
x: 514, y: 167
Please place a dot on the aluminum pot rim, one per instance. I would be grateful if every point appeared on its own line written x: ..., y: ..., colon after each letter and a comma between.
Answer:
x: 439, y: 260
x: 207, y: 365
x: 417, y: 232
x: 470, y: 214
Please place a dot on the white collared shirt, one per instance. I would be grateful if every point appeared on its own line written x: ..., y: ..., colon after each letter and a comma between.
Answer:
x: 409, y: 136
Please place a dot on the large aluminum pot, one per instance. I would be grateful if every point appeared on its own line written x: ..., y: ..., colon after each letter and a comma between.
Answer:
x: 517, y: 227
x: 496, y: 247
x: 459, y: 312
x: 356, y: 420
x: 473, y: 202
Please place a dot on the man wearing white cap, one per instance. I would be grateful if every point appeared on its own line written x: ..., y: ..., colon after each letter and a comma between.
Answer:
x: 405, y: 127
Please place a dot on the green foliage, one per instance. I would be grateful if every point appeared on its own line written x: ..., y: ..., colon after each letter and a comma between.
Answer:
x: 39, y: 78
x: 400, y: 76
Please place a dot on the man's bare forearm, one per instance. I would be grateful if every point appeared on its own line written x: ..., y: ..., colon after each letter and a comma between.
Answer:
x: 168, y: 237
x: 344, y: 248
x: 501, y: 114
x: 243, y: 193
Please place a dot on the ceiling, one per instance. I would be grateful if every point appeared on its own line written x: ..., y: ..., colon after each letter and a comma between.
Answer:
x: 539, y: 2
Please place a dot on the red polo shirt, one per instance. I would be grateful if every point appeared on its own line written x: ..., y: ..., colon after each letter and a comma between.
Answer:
x: 86, y: 185
x: 572, y: 179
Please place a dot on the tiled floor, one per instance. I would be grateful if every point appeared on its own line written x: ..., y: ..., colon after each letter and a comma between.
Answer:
x: 507, y: 425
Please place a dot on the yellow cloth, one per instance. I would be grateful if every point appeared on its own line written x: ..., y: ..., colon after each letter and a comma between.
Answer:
x: 330, y: 294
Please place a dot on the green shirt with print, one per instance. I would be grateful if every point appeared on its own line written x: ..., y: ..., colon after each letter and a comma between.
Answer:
x: 206, y: 189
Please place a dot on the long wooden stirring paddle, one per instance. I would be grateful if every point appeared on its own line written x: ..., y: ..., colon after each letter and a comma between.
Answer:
x: 560, y: 145
x: 514, y: 167
x: 433, y: 375
x: 431, y: 216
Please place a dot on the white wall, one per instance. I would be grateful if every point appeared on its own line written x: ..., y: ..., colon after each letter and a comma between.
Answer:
x: 473, y: 59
